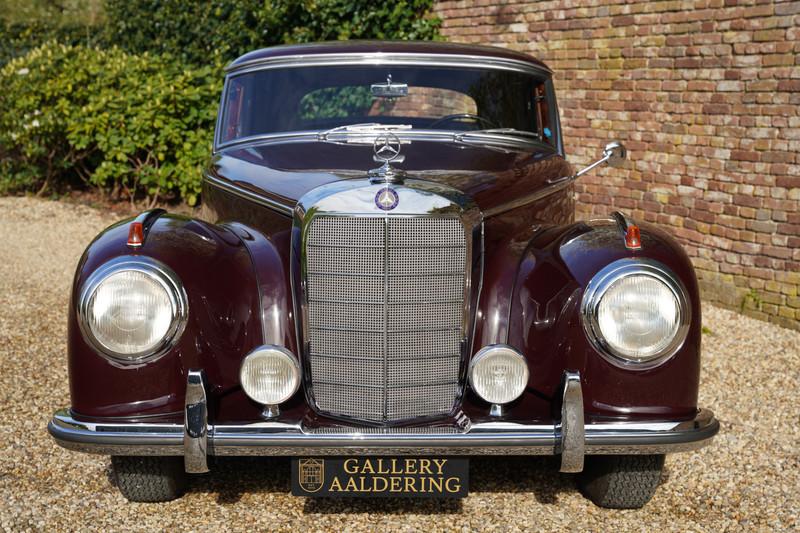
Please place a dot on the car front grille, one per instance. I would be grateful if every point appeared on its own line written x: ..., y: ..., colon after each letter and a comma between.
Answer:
x: 385, y: 314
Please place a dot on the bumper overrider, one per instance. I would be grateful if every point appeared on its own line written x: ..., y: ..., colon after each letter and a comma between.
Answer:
x: 569, y: 437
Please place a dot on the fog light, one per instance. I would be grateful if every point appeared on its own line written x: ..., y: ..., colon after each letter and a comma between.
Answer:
x: 498, y: 374
x: 270, y: 375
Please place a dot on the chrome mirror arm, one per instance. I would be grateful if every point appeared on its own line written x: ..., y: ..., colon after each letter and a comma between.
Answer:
x: 614, y: 154
x: 584, y: 170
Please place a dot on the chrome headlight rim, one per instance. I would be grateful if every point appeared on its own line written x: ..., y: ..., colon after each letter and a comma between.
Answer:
x: 297, y: 371
x: 487, y: 351
x: 156, y: 271
x: 604, y: 280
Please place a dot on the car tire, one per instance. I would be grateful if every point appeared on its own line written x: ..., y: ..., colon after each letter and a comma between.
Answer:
x: 621, y: 481
x: 149, y: 479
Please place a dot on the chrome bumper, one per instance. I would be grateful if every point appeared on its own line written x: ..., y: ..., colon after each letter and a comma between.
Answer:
x: 571, y: 439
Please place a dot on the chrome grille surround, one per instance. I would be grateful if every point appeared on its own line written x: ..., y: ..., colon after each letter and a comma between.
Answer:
x: 385, y: 300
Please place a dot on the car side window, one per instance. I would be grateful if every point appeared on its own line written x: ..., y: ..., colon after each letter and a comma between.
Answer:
x: 232, y: 114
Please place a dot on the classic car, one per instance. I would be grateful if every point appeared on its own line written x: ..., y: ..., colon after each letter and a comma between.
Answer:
x: 386, y: 278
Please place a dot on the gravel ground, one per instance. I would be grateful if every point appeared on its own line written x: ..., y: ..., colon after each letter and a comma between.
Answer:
x: 748, y: 479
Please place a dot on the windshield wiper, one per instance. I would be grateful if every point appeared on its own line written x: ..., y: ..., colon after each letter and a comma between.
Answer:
x: 365, y: 127
x: 501, y: 131
x: 482, y: 138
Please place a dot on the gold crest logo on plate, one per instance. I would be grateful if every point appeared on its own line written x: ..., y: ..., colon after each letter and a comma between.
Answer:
x: 311, y: 474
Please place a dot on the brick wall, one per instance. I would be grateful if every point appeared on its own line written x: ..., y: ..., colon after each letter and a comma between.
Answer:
x: 706, y: 97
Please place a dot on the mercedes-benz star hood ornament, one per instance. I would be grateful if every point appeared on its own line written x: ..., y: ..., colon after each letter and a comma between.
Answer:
x: 386, y: 147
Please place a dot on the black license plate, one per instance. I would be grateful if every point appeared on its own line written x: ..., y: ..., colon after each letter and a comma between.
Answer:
x: 359, y: 477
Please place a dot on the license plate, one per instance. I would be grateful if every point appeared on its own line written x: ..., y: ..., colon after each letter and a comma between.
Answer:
x: 359, y: 477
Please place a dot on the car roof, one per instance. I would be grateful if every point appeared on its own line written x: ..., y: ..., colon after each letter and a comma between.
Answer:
x: 371, y: 47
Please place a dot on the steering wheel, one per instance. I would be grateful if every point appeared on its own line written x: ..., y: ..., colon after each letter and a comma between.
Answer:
x: 461, y: 116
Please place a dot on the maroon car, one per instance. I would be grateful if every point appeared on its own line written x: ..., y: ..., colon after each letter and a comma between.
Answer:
x: 387, y: 278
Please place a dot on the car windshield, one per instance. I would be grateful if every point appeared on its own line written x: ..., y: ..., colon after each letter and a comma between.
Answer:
x: 320, y: 98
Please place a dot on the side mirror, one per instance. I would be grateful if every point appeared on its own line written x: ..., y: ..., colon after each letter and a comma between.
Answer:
x: 614, y: 154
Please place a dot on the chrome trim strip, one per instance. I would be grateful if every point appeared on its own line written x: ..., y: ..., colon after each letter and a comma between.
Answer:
x: 571, y: 430
x: 385, y: 388
x: 195, y: 426
x: 388, y: 58
x: 276, y: 438
x: 243, y: 193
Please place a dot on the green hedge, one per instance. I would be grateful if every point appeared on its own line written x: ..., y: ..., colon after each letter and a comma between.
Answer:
x: 133, y: 125
x: 196, y: 31
x: 20, y: 38
x: 27, y: 24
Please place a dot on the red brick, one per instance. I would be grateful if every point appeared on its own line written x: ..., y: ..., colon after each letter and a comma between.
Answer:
x: 789, y: 85
x: 717, y: 109
x: 789, y: 229
x: 741, y: 155
x: 788, y: 182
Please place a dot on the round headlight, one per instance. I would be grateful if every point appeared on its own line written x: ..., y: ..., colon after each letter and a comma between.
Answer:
x: 636, y: 313
x: 270, y: 375
x: 132, y: 309
x: 498, y: 374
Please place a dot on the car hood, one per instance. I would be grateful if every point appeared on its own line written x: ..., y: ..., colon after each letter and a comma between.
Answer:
x: 284, y: 171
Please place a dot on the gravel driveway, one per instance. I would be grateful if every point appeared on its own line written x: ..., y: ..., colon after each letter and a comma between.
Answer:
x: 748, y: 479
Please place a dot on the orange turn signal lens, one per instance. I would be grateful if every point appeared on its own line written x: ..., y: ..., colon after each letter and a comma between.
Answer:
x: 633, y: 239
x: 135, y: 235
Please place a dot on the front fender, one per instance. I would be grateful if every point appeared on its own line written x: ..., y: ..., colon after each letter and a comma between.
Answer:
x: 545, y: 322
x: 225, y: 320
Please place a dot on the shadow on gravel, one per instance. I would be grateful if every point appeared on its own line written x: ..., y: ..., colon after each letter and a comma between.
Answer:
x: 232, y: 477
